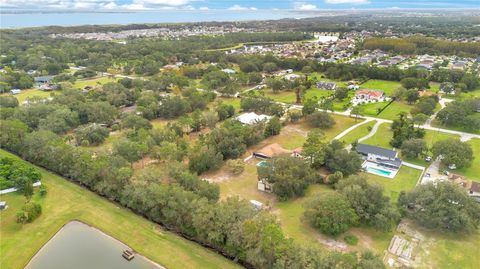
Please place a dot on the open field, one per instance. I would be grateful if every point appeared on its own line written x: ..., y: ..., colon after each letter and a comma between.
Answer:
x: 294, y: 135
x: 405, y: 180
x: 289, y: 97
x: 235, y: 102
x: 290, y: 213
x: 372, y: 108
x: 449, y: 250
x: 471, y: 94
x: 30, y: 93
x: 66, y: 201
x: 357, y: 133
x: 382, y: 137
x: 384, y: 85
x: 395, y: 108
x: 434, y: 87
x: 473, y: 172
x: 93, y: 82
x: 321, y: 77
x: 430, y: 138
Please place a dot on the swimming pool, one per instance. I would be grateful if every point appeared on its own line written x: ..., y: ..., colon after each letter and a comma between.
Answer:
x: 380, y: 172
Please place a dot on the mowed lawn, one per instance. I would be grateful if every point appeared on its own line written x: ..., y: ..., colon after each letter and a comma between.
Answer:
x: 294, y: 135
x: 82, y: 83
x: 430, y: 138
x: 390, y: 112
x: 235, y: 102
x: 384, y: 85
x: 66, y: 201
x: 395, y: 108
x: 357, y: 133
x: 290, y: 97
x: 473, y: 172
x: 30, y: 93
x: 382, y: 137
x: 405, y: 180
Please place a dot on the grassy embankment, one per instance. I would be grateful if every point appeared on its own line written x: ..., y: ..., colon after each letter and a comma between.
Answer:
x: 66, y: 201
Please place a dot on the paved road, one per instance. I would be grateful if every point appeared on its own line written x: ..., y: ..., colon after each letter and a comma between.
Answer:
x: 463, y: 135
x: 434, y: 173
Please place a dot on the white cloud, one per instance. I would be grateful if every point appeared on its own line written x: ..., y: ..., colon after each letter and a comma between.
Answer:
x: 133, y: 7
x: 58, y: 4
x: 304, y: 6
x: 97, y: 4
x: 355, y: 2
x: 203, y: 8
x: 239, y: 7
x: 173, y: 3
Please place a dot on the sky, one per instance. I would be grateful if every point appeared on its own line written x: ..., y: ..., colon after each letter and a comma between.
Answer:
x: 235, y: 5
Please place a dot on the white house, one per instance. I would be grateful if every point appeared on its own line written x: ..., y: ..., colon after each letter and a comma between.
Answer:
x: 228, y: 71
x: 252, y: 118
x: 15, y: 91
x: 369, y: 95
x: 381, y: 156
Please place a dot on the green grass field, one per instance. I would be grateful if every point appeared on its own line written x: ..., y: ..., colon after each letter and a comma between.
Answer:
x: 357, y: 133
x: 430, y: 138
x: 452, y: 250
x: 66, y: 201
x: 321, y: 77
x: 372, y: 108
x: 434, y: 86
x: 30, y: 93
x: 384, y: 85
x: 341, y: 123
x: 289, y: 97
x: 290, y: 214
x: 473, y: 172
x: 382, y: 137
x: 405, y: 180
x: 93, y: 82
x: 395, y: 108
x: 471, y: 94
x: 235, y: 102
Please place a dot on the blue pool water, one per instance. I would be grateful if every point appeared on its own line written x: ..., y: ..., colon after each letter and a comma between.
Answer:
x: 378, y: 171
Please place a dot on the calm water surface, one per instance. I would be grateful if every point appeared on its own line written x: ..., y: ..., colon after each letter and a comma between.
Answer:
x: 19, y: 20
x: 79, y: 246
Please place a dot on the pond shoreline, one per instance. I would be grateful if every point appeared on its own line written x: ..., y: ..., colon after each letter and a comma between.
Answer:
x: 97, y: 230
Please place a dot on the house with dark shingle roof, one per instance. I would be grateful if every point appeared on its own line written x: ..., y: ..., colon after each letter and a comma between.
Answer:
x: 381, y: 156
x: 326, y: 85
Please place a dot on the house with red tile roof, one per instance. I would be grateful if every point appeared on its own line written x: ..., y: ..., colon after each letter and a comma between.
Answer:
x: 369, y: 95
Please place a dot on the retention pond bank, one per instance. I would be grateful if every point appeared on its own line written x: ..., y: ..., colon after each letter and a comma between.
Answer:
x: 79, y: 246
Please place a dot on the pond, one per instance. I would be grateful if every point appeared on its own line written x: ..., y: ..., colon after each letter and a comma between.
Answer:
x: 79, y: 246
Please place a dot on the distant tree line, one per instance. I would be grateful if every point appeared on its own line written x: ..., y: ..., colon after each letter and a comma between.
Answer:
x: 423, y: 45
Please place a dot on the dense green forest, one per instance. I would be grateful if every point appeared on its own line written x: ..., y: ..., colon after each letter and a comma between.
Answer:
x: 423, y: 45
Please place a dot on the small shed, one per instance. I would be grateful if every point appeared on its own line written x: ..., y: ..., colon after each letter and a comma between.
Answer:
x: 256, y: 204
x: 265, y: 186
